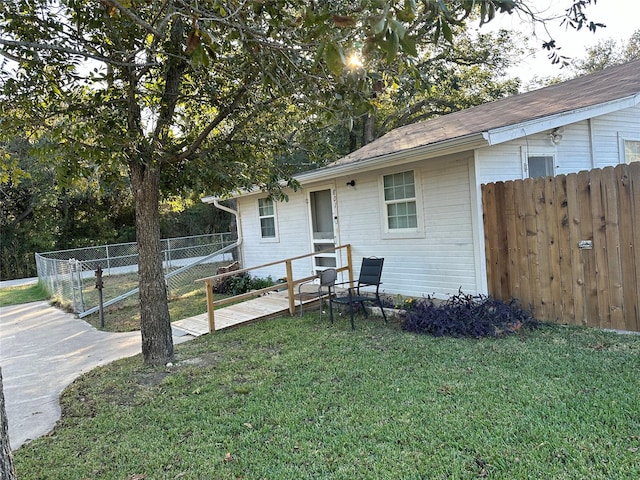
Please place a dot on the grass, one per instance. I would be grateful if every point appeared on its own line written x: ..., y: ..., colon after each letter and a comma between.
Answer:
x: 299, y: 398
x: 122, y: 317
x: 125, y: 316
x: 186, y: 300
x: 22, y: 294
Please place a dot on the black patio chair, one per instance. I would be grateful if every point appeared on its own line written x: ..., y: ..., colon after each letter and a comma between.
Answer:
x: 370, y: 274
x: 326, y: 287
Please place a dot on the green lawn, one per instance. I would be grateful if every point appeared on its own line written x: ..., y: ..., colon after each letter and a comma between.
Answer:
x: 188, y: 299
x: 122, y: 317
x: 22, y: 294
x: 295, y: 398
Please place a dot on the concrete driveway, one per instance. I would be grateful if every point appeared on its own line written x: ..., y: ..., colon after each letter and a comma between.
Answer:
x: 42, y: 350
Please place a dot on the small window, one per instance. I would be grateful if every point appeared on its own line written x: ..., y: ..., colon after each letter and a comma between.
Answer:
x: 631, y: 151
x: 540, y: 166
x: 400, y: 201
x: 267, y: 215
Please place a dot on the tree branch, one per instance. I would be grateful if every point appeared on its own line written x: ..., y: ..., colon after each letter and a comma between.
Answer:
x: 9, y: 56
x: 71, y: 51
x: 129, y: 14
x: 403, y: 119
x: 219, y: 118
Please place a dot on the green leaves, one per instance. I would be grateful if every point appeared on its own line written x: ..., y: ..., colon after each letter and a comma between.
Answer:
x: 397, y: 27
x: 408, y: 13
x: 199, y: 56
x: 334, y: 58
x: 446, y: 31
x: 380, y: 26
x: 389, y: 32
x: 409, y: 46
x: 391, y: 45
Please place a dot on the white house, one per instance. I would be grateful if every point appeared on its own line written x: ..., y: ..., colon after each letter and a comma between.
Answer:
x: 413, y: 196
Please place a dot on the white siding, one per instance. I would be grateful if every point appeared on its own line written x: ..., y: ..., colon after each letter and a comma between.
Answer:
x: 499, y: 163
x: 440, y: 261
x: 443, y: 259
x: 574, y: 153
x: 293, y: 239
x: 606, y: 132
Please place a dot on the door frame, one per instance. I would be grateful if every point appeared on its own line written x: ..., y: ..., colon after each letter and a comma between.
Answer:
x: 334, y: 215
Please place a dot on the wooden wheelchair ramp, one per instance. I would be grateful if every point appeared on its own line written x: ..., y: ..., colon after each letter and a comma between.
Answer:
x: 273, y: 304
x: 266, y: 302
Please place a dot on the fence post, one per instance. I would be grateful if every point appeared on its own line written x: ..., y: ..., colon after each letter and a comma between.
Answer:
x: 99, y: 286
x: 208, y: 286
x: 290, y: 286
x: 350, y: 264
x: 80, y: 284
x: 72, y: 279
x: 56, y: 279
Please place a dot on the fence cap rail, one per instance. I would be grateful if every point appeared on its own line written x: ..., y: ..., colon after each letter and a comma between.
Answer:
x: 270, y: 264
x: 129, y: 244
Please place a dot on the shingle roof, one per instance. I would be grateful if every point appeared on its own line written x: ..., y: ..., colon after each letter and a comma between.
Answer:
x: 608, y: 85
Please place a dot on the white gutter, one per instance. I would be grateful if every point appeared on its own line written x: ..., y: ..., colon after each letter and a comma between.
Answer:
x: 224, y: 208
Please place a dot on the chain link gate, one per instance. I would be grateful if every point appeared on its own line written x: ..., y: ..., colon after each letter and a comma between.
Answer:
x: 69, y: 275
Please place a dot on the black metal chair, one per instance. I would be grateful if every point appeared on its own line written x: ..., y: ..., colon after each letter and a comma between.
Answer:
x: 326, y: 287
x: 370, y: 275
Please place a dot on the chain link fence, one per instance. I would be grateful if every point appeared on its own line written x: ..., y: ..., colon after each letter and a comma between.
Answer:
x: 69, y: 275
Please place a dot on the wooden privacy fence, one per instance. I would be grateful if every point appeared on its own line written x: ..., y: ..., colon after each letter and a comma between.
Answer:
x: 568, y: 246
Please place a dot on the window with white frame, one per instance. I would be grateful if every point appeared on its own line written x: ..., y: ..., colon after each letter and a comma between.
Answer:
x: 267, y: 215
x: 400, y: 202
x: 540, y: 166
x: 631, y: 151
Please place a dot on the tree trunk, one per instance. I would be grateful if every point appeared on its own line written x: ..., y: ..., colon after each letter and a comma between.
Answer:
x: 7, y: 471
x: 155, y: 323
x: 369, y: 129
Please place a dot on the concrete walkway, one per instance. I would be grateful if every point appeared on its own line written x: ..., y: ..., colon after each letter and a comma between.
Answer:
x: 20, y: 282
x: 42, y: 350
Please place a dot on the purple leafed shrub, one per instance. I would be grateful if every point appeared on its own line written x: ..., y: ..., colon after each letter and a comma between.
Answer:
x: 465, y: 315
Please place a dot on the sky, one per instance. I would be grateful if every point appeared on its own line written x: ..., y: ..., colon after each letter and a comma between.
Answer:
x: 621, y: 17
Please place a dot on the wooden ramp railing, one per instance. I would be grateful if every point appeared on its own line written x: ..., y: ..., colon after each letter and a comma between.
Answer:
x: 271, y: 307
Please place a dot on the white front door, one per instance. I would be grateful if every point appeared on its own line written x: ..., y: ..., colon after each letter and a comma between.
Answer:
x: 322, y: 213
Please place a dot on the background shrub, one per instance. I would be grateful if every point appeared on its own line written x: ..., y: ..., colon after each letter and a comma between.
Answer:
x: 241, y: 283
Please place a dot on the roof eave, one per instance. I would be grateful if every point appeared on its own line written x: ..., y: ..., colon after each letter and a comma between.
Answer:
x: 457, y: 145
x: 401, y: 157
x: 531, y: 127
x: 237, y: 194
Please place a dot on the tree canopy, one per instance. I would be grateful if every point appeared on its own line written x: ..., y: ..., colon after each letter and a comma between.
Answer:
x: 608, y: 53
x: 168, y: 93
